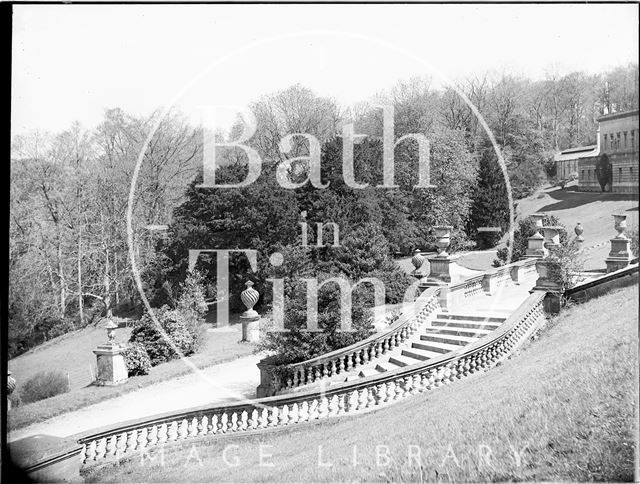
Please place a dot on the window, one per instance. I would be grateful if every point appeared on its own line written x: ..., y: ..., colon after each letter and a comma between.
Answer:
x: 625, y: 139
x: 633, y: 139
x: 618, y: 141
x: 620, y: 174
x: 605, y: 142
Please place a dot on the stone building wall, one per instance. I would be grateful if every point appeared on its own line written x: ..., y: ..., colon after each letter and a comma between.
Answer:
x: 619, y: 139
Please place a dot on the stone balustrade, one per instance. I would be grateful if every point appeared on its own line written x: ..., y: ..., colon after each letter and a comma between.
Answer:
x: 126, y: 440
x: 280, y: 378
x: 488, y: 282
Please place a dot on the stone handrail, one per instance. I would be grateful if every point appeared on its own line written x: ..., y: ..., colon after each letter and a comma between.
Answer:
x: 275, y: 378
x: 349, y: 397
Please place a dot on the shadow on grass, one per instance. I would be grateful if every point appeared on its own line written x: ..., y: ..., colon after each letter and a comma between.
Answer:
x: 570, y: 199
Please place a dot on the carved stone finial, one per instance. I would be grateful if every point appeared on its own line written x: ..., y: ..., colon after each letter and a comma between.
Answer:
x: 417, y: 260
x: 249, y: 298
x: 111, y: 327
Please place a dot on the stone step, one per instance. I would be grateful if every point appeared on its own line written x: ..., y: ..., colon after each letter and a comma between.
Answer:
x: 478, y: 333
x: 368, y: 372
x: 386, y: 366
x: 435, y: 347
x: 452, y: 340
x: 464, y: 317
x: 401, y: 360
x: 464, y: 324
x: 419, y: 354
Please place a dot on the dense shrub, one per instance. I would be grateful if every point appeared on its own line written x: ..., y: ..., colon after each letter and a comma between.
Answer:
x: 634, y: 236
x: 43, y: 385
x: 568, y: 264
x: 137, y: 359
x: 395, y: 282
x: 192, y: 294
x: 298, y: 344
x: 184, y: 329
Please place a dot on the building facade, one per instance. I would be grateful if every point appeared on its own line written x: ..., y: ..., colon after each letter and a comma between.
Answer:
x: 612, y: 163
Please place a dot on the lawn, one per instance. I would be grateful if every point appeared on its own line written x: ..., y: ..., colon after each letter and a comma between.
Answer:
x: 73, y: 353
x: 593, y: 210
x: 564, y: 408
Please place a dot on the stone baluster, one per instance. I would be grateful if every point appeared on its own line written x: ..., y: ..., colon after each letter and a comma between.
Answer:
x: 152, y: 436
x: 204, y: 425
x: 192, y: 428
x: 334, y: 406
x: 253, y: 419
x: 101, y: 448
x: 110, y: 449
x: 323, y: 407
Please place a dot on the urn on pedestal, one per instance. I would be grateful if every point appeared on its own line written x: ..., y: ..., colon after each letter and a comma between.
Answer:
x: 440, y: 265
x: 620, y: 255
x: 251, y: 318
x: 111, y: 367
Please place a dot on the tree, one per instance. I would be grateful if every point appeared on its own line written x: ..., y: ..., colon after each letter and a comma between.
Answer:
x: 490, y: 202
x: 603, y: 171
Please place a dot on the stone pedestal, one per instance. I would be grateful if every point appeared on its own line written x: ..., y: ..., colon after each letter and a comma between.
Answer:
x: 535, y: 247
x: 440, y: 271
x: 547, y: 284
x: 112, y: 369
x: 545, y: 281
x: 619, y: 256
x: 250, y: 329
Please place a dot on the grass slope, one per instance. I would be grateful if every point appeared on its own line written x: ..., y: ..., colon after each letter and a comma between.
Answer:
x: 73, y: 353
x: 593, y: 210
x: 563, y: 409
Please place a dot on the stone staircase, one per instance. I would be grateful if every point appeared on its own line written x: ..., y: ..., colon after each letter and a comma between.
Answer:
x: 447, y: 332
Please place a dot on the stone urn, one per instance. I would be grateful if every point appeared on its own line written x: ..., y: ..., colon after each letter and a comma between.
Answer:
x: 579, y: 229
x: 417, y: 260
x: 443, y: 239
x: 249, y: 298
x: 537, y: 221
x: 620, y: 224
x: 111, y: 327
x: 551, y: 236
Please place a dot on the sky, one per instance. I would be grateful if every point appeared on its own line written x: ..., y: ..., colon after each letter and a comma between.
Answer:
x: 71, y: 62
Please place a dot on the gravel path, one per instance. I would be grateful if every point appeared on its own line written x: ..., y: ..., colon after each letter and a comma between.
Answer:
x: 223, y: 383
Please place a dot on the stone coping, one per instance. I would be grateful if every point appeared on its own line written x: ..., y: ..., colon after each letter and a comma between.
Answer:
x: 37, y: 451
x: 611, y: 276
